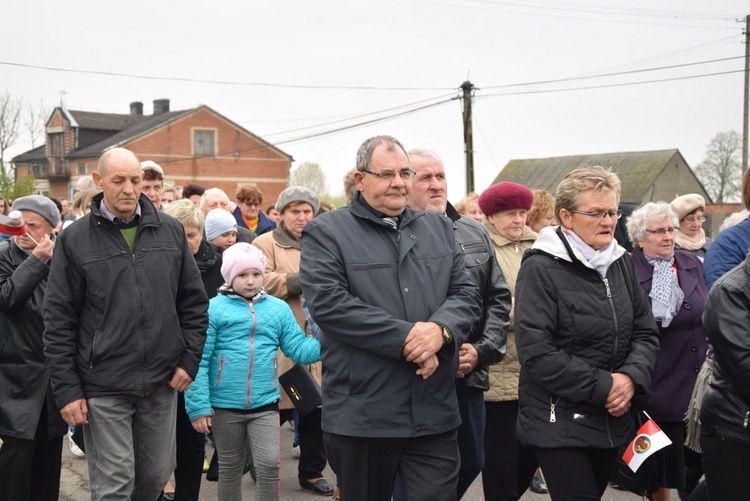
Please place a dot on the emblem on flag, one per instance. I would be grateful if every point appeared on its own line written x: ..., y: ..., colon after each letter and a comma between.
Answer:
x: 648, y: 439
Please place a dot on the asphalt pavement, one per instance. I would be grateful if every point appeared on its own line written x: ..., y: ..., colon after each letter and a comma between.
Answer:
x: 74, y: 480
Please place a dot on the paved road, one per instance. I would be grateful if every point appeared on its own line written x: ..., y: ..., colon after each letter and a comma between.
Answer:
x: 74, y: 483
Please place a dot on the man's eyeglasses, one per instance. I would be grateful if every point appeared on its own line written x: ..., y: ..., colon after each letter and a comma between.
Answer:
x: 691, y: 220
x: 251, y: 204
x: 614, y: 214
x: 661, y: 232
x: 390, y: 175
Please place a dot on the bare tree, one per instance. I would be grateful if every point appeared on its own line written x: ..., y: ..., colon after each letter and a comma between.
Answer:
x: 10, y: 123
x: 310, y: 175
x: 721, y: 169
x: 35, y: 120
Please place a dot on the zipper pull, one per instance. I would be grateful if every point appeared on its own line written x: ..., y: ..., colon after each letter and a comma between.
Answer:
x: 552, y: 417
x: 606, y: 284
x: 747, y: 418
x: 516, y: 245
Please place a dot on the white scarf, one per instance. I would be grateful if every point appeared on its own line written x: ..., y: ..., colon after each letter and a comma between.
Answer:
x: 598, y: 259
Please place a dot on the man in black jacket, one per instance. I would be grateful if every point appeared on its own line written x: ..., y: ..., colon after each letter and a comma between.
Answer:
x: 486, y: 342
x: 125, y: 321
x: 388, y: 287
x: 30, y: 424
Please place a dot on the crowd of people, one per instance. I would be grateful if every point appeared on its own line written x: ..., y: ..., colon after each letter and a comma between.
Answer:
x: 511, y: 335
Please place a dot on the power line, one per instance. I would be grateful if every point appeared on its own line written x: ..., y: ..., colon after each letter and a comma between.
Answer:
x: 218, y: 82
x: 569, y: 79
x: 603, y: 86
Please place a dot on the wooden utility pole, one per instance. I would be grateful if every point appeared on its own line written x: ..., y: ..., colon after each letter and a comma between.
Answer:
x: 468, y: 89
x: 747, y: 89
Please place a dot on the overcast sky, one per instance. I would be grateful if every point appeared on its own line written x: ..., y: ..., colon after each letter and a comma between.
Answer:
x: 326, y: 65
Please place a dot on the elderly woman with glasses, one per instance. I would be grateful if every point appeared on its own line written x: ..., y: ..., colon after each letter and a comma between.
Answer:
x: 586, y: 339
x: 248, y: 213
x: 672, y: 281
x: 690, y: 235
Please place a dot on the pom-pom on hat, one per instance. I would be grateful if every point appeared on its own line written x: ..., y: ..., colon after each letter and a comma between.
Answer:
x: 239, y: 258
x: 218, y: 222
x: 41, y: 205
x: 684, y: 205
x: 505, y: 196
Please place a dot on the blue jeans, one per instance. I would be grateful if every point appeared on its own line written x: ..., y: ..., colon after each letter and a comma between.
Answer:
x: 130, y: 444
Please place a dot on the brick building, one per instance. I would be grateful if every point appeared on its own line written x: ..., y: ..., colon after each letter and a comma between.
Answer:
x: 197, y: 145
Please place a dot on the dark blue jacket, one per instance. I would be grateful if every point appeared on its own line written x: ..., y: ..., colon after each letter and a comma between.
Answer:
x: 728, y: 249
x: 366, y: 285
x: 264, y: 223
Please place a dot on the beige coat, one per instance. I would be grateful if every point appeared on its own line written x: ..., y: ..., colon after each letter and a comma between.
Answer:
x: 283, y: 254
x: 504, y: 374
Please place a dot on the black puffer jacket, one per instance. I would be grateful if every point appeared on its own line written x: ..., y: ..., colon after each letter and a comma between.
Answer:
x: 726, y: 405
x: 116, y: 322
x: 24, y: 380
x: 573, y: 329
x: 488, y: 333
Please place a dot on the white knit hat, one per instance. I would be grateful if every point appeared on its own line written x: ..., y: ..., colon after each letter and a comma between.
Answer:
x: 218, y: 222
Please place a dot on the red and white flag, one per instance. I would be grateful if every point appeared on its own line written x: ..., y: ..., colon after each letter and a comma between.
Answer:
x: 648, y: 440
x: 12, y: 224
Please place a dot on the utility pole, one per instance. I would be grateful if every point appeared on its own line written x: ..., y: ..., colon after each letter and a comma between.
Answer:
x: 468, y: 89
x: 747, y: 89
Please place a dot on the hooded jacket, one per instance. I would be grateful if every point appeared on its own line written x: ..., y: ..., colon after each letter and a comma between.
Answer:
x: 573, y: 330
x: 24, y: 378
x: 119, y: 322
x: 366, y: 285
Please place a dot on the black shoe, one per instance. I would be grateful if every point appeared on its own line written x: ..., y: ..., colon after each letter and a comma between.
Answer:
x: 321, y: 487
x: 538, y: 485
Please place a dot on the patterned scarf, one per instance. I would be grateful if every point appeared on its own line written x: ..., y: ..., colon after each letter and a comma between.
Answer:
x: 666, y: 294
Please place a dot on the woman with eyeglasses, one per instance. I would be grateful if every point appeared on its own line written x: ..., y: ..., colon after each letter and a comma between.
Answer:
x: 690, y: 235
x: 672, y: 281
x: 586, y: 339
x: 248, y: 212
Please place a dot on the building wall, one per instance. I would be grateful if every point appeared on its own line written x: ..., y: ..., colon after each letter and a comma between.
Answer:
x: 676, y: 179
x: 240, y: 158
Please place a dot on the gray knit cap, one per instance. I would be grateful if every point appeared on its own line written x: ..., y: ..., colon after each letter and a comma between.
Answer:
x: 298, y: 194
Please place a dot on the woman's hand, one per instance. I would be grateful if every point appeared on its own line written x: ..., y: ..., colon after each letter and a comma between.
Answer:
x: 202, y: 424
x: 622, y: 391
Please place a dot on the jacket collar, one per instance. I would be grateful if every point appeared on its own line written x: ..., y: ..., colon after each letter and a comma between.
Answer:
x: 689, y: 273
x: 360, y: 208
x: 149, y: 214
x: 284, y: 238
x: 527, y: 235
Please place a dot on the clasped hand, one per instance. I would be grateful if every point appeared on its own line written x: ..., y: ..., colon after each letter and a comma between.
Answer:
x: 422, y: 343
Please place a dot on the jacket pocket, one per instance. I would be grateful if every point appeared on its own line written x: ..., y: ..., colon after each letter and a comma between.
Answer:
x: 221, y: 370
x: 475, y: 254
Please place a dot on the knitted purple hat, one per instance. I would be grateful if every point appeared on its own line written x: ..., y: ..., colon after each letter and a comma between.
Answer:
x: 505, y: 196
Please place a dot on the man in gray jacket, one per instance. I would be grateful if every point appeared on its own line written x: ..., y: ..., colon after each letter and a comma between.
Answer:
x: 485, y: 344
x: 125, y: 323
x: 389, y: 288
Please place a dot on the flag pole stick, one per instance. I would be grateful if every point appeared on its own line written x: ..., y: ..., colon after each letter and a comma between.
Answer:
x: 646, y: 413
x: 37, y: 244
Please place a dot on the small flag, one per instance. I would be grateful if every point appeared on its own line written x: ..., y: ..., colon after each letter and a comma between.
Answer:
x: 12, y: 224
x: 648, y: 440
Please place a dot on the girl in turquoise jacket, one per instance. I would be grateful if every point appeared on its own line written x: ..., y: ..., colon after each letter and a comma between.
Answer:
x: 236, y: 392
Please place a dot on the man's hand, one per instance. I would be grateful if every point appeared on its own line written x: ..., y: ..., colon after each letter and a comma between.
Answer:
x: 423, y: 341
x: 76, y: 413
x: 429, y: 367
x: 181, y: 380
x: 202, y: 424
x: 43, y: 251
x: 468, y: 359
x: 618, y: 400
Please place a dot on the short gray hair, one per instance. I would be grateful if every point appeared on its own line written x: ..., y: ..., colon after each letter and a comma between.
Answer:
x: 364, y: 153
x: 210, y: 192
x: 419, y: 152
x: 584, y: 178
x: 652, y: 212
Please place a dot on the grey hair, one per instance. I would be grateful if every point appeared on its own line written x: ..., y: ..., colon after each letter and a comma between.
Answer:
x: 652, y: 212
x: 212, y: 191
x: 187, y: 213
x: 364, y: 153
x: 419, y: 152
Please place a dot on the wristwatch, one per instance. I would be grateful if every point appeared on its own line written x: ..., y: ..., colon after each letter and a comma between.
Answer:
x: 447, y: 336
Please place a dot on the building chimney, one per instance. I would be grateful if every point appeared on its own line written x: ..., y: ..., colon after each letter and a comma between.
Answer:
x: 161, y: 106
x: 136, y: 108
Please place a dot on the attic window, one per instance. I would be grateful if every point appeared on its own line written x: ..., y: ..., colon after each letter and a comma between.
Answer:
x: 203, y: 143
